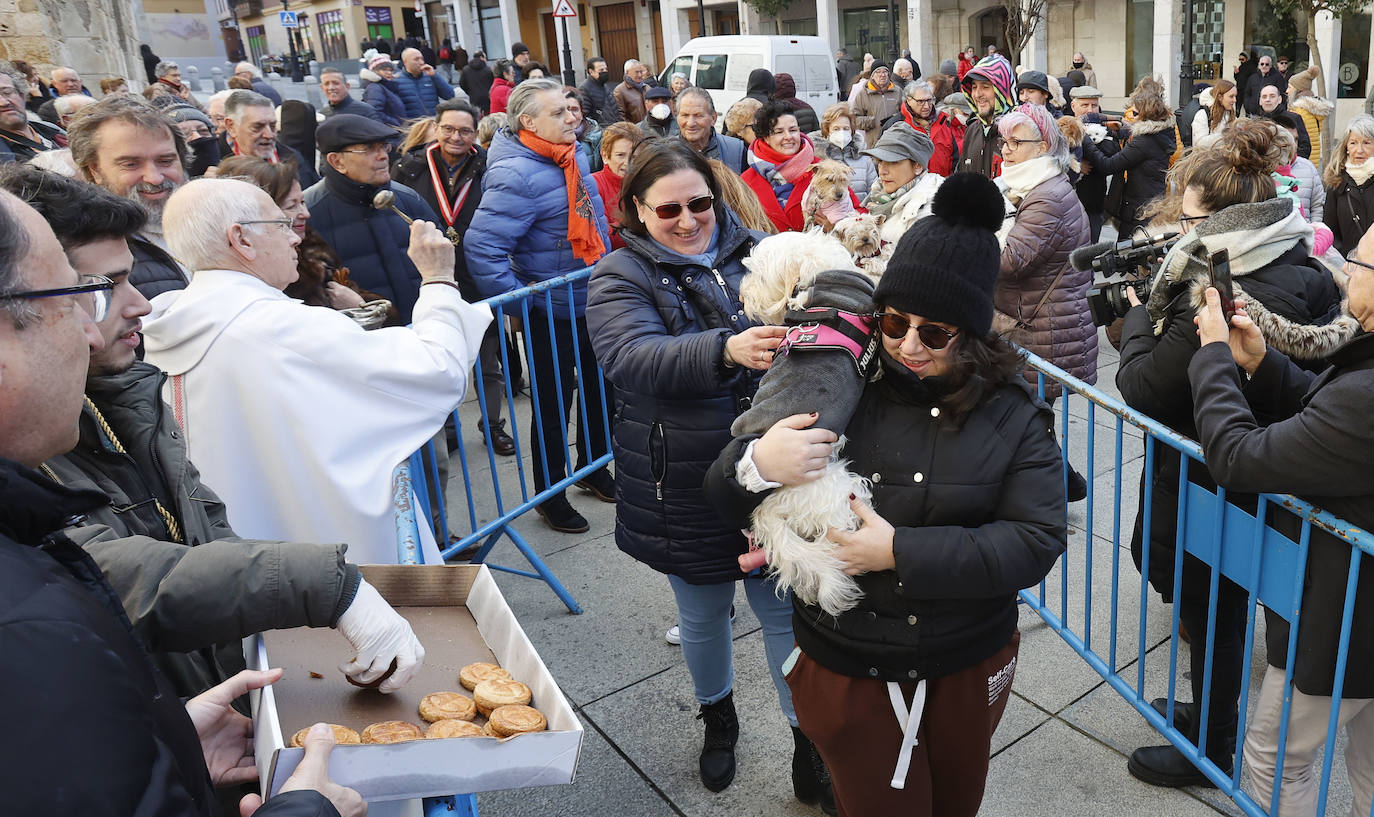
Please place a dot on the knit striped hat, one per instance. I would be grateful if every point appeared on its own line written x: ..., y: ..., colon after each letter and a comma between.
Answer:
x: 995, y: 69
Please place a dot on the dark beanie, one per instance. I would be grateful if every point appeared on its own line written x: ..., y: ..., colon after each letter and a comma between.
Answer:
x: 945, y: 267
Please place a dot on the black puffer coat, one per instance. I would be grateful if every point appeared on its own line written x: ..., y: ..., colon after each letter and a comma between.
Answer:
x: 1153, y: 378
x: 979, y: 513
x: 1349, y: 211
x: 659, y: 326
x: 1139, y: 168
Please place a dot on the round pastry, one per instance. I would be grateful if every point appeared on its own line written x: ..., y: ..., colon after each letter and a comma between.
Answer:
x: 438, y: 706
x: 486, y: 730
x: 491, y: 694
x: 342, y: 736
x: 451, y: 728
x: 515, y: 720
x: 392, y: 732
x: 474, y: 674
x: 378, y: 682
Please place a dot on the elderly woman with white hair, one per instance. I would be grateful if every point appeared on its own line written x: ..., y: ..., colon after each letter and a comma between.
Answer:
x: 1349, y: 180
x: 1038, y: 289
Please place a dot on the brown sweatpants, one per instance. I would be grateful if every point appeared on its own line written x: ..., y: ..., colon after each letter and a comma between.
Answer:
x: 852, y: 724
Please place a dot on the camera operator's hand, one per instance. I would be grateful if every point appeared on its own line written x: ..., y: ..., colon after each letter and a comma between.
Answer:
x: 1132, y: 297
x: 1244, y: 338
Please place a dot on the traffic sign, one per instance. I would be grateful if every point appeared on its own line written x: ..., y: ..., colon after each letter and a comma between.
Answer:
x: 288, y: 19
x: 564, y: 8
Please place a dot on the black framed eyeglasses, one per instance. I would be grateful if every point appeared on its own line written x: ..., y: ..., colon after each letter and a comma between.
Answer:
x: 96, y: 286
x: 932, y: 337
x: 1184, y: 221
x: 668, y: 212
x: 1351, y: 259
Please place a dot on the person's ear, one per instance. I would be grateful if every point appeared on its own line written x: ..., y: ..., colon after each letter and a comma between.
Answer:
x: 241, y: 242
x: 335, y: 160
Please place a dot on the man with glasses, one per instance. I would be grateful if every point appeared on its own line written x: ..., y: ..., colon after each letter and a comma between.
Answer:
x: 1258, y: 81
x: 918, y: 111
x: 448, y: 176
x: 163, y: 539
x: 293, y: 413
x: 20, y: 139
x: 371, y: 242
x: 250, y: 129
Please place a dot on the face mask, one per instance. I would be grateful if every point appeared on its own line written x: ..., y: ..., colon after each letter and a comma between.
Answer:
x: 840, y: 138
x: 1078, y: 63
x: 660, y: 111
x: 205, y: 155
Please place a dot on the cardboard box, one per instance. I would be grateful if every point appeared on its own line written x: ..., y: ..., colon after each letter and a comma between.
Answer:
x: 459, y: 615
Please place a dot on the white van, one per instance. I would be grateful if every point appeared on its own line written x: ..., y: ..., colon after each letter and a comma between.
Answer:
x: 722, y: 64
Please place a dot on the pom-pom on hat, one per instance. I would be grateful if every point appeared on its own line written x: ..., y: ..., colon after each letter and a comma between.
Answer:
x: 945, y: 267
x: 1302, y: 81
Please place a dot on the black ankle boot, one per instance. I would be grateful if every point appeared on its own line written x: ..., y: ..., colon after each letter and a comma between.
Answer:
x: 718, y: 752
x: 810, y: 778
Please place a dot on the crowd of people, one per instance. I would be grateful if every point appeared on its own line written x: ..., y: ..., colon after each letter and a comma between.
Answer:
x: 176, y: 277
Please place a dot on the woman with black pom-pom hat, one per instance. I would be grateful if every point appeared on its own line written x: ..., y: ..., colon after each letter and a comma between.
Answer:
x: 902, y: 693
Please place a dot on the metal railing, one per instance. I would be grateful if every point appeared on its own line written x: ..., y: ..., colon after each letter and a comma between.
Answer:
x: 1232, y: 540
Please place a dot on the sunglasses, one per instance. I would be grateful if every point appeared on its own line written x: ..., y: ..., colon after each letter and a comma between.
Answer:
x: 932, y: 337
x: 667, y: 212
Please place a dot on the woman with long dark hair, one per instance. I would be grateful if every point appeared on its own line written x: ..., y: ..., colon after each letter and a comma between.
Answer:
x: 968, y: 508
x: 669, y: 330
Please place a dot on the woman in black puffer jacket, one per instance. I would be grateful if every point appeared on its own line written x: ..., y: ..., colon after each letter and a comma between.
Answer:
x: 968, y: 508
x: 668, y: 328
x: 1228, y: 203
x: 1138, y: 169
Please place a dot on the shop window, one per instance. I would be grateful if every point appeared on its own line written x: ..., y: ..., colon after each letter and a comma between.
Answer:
x: 1352, y: 69
x: 257, y: 43
x: 1140, y: 28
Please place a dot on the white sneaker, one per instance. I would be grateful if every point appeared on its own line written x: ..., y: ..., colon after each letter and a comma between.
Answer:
x: 674, y: 635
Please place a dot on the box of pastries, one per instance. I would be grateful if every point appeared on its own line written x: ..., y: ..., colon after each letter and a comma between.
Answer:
x: 483, y: 714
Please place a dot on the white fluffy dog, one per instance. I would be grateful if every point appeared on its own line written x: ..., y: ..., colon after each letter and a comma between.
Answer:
x: 809, y: 280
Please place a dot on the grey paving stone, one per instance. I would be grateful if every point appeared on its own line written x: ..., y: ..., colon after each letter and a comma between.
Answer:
x: 1059, y: 771
x: 655, y: 725
x: 606, y: 783
x: 1020, y: 719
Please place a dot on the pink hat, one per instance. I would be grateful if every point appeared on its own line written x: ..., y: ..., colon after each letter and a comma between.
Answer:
x: 379, y: 61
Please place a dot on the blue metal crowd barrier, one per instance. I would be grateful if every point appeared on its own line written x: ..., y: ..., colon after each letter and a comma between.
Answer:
x: 506, y: 500
x: 1234, y: 541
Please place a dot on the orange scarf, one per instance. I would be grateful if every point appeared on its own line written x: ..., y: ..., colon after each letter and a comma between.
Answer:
x: 582, y: 233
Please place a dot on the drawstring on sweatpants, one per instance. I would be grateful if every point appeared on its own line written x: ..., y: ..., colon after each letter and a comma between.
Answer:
x: 909, y: 722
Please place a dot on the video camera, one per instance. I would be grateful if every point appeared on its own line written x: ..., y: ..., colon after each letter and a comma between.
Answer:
x: 1117, y: 265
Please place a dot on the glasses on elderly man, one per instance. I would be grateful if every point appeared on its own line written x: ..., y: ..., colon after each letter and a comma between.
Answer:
x: 283, y: 223
x: 1351, y: 259
x: 97, y: 287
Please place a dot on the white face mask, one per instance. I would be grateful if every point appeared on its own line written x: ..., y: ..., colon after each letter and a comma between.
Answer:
x: 840, y: 138
x: 660, y: 111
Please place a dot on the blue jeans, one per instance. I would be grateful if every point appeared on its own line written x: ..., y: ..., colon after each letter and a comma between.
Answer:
x: 703, y: 615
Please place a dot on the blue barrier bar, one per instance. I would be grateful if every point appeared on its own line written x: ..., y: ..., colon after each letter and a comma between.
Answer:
x: 1235, y: 542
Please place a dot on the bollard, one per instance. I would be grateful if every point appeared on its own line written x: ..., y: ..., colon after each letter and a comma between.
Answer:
x: 193, y: 78
x: 353, y: 82
x: 312, y: 92
x: 315, y: 69
x: 217, y: 79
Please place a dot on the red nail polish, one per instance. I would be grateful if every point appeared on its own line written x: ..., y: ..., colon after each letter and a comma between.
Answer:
x: 852, y: 497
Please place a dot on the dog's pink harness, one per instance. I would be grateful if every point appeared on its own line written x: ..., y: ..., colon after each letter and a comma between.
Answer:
x: 832, y: 329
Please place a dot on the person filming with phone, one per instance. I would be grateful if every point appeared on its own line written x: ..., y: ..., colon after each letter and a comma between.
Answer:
x: 1318, y: 447
x: 1228, y: 203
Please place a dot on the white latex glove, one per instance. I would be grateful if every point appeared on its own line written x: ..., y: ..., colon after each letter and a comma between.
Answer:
x: 379, y: 634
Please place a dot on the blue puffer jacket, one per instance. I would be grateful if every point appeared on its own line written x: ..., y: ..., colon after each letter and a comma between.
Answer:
x: 382, y: 95
x: 371, y: 243
x: 658, y: 324
x: 421, y: 94
x: 520, y: 233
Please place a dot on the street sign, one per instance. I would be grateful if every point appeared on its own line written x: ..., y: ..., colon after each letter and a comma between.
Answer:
x: 564, y: 8
x: 288, y: 19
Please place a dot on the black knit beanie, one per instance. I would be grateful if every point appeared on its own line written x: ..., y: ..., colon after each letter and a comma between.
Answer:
x: 945, y: 267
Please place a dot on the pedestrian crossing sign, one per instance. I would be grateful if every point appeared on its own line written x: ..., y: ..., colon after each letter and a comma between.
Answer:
x: 288, y: 19
x: 564, y: 8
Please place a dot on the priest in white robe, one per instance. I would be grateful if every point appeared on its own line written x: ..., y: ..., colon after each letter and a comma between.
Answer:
x: 294, y: 414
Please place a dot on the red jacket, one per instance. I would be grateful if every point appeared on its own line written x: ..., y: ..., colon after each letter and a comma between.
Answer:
x: 789, y: 218
x: 945, y: 134
x: 964, y: 66
x: 608, y: 184
x: 500, y: 92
